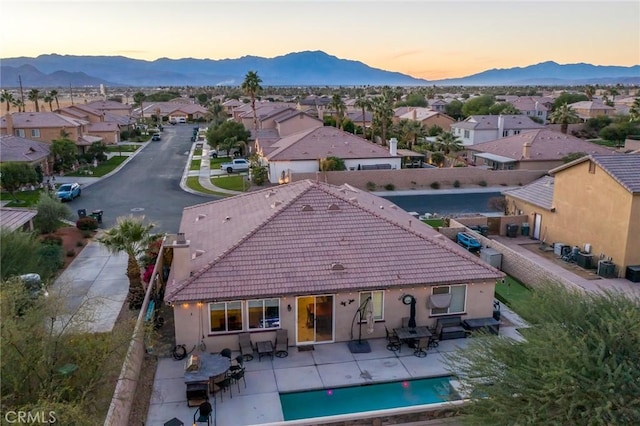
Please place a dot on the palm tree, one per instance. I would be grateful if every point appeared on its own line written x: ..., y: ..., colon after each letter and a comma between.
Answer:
x: 216, y: 114
x: 409, y: 131
x: 337, y: 104
x: 54, y: 95
x: 18, y: 104
x: 589, y: 91
x: 383, y: 113
x: 449, y: 144
x: 34, y: 94
x: 251, y: 87
x: 8, y: 98
x: 564, y: 115
x: 49, y: 99
x: 132, y: 236
x: 138, y: 99
x: 364, y: 103
x: 634, y: 111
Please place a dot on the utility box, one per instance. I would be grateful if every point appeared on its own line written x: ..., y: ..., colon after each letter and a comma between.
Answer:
x: 512, y: 230
x: 492, y: 257
x: 633, y: 273
x: 606, y: 269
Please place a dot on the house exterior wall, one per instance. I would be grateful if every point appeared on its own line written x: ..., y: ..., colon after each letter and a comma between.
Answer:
x: 478, y: 304
x: 297, y: 124
x: 312, y: 166
x: 108, y: 138
x: 440, y: 120
x: 593, y: 208
x: 47, y: 134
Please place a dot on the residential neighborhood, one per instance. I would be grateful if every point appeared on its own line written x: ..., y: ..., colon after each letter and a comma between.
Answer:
x: 246, y: 289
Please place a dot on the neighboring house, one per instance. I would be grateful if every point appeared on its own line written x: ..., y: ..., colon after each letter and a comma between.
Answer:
x: 591, y: 109
x: 173, y: 111
x: 13, y: 218
x: 540, y: 149
x: 439, y: 105
x: 302, y: 152
x: 315, y: 105
x: 303, y: 257
x: 355, y: 115
x: 266, y: 114
x: 21, y: 150
x: 230, y: 105
x: 592, y: 203
x: 426, y: 117
x: 531, y: 108
x: 484, y: 128
x: 46, y: 127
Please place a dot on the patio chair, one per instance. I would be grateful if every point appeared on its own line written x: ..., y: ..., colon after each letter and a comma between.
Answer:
x: 204, y: 414
x: 282, y: 343
x: 237, y: 363
x: 226, y: 352
x: 393, y: 341
x: 421, y: 347
x: 434, y: 340
x: 236, y: 375
x: 246, y: 347
x: 224, y: 384
x: 405, y: 322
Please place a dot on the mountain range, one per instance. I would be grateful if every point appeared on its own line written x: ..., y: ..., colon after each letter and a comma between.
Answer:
x: 309, y: 68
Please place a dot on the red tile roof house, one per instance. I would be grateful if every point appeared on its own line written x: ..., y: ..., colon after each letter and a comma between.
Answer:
x: 21, y: 150
x: 484, y: 128
x: 531, y: 150
x: 301, y: 152
x: 302, y: 257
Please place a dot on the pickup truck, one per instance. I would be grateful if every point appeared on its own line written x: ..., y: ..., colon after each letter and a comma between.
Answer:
x: 237, y: 165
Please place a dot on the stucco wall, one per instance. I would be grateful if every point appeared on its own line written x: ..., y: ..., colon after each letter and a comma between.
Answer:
x: 479, y: 304
x: 423, y: 178
x: 297, y: 124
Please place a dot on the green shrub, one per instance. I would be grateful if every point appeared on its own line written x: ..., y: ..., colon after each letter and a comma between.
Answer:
x: 49, y: 259
x: 80, y: 244
x: 50, y: 212
x: 389, y: 187
x: 371, y: 186
x: 52, y: 240
x: 456, y: 184
x: 71, y: 253
x: 482, y: 183
x: 259, y: 175
x: 87, y: 224
x: 435, y: 185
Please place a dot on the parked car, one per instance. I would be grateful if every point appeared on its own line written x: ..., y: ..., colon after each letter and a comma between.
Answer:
x: 68, y: 191
x: 237, y: 165
x: 468, y: 241
x: 155, y: 137
x: 214, y: 153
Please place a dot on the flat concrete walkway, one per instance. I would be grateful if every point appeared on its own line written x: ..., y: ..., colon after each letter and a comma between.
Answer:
x: 95, y: 287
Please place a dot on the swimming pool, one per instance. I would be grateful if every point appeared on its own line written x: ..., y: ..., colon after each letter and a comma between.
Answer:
x: 357, y: 399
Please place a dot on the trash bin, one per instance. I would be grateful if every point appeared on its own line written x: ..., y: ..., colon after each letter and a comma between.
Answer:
x: 512, y: 230
x: 82, y: 213
x: 97, y: 215
x: 525, y: 229
x: 496, y: 310
x: 484, y: 230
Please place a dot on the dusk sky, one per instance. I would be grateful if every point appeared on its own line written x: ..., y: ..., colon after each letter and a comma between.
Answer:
x: 423, y: 38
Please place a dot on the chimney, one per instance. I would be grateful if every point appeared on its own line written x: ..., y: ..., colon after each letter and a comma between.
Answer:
x: 500, y: 126
x: 526, y: 150
x: 9, y: 121
x: 414, y: 114
x: 537, y: 107
x: 393, y: 147
x: 181, y: 258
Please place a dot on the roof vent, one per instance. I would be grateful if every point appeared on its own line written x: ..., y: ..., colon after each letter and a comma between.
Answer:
x: 200, y: 217
x: 334, y: 206
x: 226, y: 219
x: 353, y: 200
x: 197, y: 253
x: 269, y: 194
x: 335, y: 266
x: 307, y: 208
x: 276, y: 204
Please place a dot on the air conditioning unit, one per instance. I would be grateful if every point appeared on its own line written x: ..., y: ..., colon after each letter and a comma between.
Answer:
x: 559, y: 249
x: 606, y: 269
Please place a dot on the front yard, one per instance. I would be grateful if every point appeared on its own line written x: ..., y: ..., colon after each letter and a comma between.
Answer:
x: 102, y: 169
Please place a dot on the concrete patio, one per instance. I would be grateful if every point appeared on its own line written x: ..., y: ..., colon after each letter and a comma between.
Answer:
x: 327, y: 366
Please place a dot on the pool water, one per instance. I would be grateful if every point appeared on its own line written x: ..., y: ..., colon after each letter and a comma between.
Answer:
x: 357, y: 399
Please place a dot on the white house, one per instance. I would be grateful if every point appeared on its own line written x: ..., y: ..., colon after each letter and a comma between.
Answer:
x: 484, y: 128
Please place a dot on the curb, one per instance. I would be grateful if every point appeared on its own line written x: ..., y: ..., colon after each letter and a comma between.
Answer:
x: 117, y: 169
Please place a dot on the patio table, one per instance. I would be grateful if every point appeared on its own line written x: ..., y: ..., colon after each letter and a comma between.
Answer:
x: 408, y: 333
x: 211, y: 367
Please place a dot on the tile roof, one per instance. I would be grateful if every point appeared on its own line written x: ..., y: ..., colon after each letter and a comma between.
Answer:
x: 490, y: 122
x: 103, y: 126
x: 322, y: 142
x: 624, y: 168
x: 539, y: 192
x: 544, y: 145
x: 12, y: 218
x: 14, y: 148
x: 310, y: 237
x: 28, y: 120
x: 590, y: 105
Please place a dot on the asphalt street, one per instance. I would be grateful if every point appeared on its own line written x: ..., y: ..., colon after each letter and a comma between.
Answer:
x: 147, y: 185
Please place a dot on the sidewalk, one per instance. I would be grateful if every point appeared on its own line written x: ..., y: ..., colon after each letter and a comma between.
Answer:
x: 204, y: 174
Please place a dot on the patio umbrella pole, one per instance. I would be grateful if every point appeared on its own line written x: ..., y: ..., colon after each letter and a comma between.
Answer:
x: 360, y: 346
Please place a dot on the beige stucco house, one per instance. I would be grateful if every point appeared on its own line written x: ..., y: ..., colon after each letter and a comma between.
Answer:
x: 591, y: 109
x: 22, y: 150
x: 592, y: 203
x: 303, y: 257
x: 425, y: 116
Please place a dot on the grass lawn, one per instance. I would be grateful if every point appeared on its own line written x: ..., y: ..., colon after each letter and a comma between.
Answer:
x: 197, y: 151
x: 610, y: 144
x: 434, y: 223
x: 25, y: 198
x: 215, y: 162
x: 102, y: 169
x: 122, y: 148
x: 233, y: 183
x: 192, y: 182
x: 195, y: 165
x: 512, y: 292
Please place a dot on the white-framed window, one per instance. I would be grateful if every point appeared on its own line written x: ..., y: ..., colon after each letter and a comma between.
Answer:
x: 377, y: 303
x: 457, y: 300
x: 225, y: 316
x: 19, y: 132
x: 466, y: 134
x: 263, y: 313
x: 35, y: 133
x: 505, y: 133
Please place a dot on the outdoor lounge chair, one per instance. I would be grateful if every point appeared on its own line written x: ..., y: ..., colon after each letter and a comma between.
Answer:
x: 246, y: 347
x: 282, y: 343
